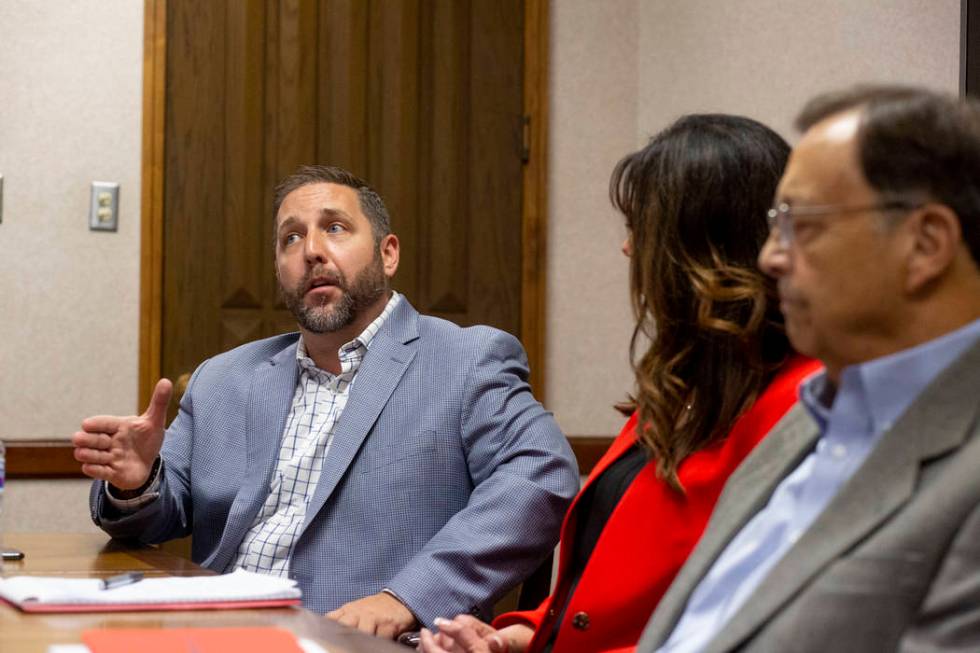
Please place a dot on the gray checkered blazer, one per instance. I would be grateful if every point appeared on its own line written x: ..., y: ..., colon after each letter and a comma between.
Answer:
x: 446, y: 481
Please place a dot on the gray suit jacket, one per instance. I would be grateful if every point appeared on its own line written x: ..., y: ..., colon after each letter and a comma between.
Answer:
x: 446, y: 481
x: 893, y: 563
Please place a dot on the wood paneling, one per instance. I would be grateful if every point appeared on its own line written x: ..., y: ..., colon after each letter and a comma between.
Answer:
x: 196, y: 245
x: 41, y: 459
x: 424, y: 98
x: 343, y: 60
x: 243, y: 281
x: 53, y: 458
x: 970, y: 48
x: 228, y: 195
x: 588, y: 449
x: 534, y: 228
x: 151, y: 203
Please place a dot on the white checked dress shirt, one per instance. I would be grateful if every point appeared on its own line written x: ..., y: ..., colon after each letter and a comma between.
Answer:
x: 318, y: 402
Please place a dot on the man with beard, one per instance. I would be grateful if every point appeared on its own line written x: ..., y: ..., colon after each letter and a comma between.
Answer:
x: 395, y: 465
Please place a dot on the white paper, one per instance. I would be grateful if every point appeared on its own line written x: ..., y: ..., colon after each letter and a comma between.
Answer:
x: 240, y: 585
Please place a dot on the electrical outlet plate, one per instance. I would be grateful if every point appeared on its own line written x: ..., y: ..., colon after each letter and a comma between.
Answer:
x: 103, y: 212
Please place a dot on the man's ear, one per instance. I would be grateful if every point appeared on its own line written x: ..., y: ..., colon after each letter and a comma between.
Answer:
x: 388, y: 249
x: 936, y: 239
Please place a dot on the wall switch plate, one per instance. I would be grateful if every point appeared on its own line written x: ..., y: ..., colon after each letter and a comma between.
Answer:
x: 104, y: 210
x: 1, y: 199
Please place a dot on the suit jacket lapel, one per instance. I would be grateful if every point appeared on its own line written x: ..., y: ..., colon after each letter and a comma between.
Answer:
x: 886, y: 480
x: 747, y: 491
x: 270, y: 399
x: 389, y: 355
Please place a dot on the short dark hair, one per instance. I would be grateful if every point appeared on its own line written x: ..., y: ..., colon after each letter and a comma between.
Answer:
x: 371, y: 203
x: 913, y: 140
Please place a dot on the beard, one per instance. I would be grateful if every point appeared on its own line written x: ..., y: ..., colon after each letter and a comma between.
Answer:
x: 358, y: 294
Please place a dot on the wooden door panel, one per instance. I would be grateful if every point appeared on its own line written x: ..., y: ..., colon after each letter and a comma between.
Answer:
x: 443, y: 243
x: 246, y: 230
x: 423, y: 98
x: 494, y: 164
x: 343, y: 89
x: 194, y: 179
x: 393, y: 124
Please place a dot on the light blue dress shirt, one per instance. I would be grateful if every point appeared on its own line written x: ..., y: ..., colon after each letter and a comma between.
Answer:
x: 871, y: 397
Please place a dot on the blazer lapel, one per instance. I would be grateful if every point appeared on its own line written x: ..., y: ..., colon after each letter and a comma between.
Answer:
x: 886, y: 480
x: 270, y: 399
x: 747, y: 491
x: 389, y: 355
x: 618, y: 447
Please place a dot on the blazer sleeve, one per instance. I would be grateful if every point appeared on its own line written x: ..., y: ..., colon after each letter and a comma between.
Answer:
x: 949, y: 617
x: 169, y: 516
x: 524, y: 477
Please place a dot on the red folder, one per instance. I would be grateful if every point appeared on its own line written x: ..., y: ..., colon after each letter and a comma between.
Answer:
x: 191, y: 640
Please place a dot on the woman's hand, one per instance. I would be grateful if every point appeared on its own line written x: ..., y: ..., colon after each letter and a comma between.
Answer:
x: 467, y: 634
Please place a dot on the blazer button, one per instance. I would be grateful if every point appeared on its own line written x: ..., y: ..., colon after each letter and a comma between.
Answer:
x: 551, y: 612
x: 475, y: 611
x: 580, y: 621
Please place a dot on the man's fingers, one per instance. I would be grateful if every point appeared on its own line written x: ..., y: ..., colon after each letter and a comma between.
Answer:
x: 98, y: 472
x: 342, y: 616
x: 102, y: 424
x: 83, y: 440
x: 156, y: 412
x: 384, y: 629
x: 92, y: 456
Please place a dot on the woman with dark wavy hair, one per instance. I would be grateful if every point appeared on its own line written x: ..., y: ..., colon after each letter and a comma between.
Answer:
x: 714, y: 372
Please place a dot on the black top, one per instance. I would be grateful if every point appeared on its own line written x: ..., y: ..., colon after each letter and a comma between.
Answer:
x: 594, y: 509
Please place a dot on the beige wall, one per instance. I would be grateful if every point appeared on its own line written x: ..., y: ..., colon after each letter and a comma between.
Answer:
x: 70, y: 79
x: 70, y: 83
x: 765, y: 58
x: 621, y: 70
x: 593, y: 124
x: 624, y: 69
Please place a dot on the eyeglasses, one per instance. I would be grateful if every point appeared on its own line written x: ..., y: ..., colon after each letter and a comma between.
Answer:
x: 782, y: 216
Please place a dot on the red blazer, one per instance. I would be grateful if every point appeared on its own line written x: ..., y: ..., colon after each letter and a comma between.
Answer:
x: 650, y: 533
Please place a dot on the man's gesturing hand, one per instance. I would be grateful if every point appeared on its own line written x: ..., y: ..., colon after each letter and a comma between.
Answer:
x: 379, y: 614
x: 121, y: 450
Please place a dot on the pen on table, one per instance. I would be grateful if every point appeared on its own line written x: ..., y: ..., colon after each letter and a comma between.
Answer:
x: 12, y: 554
x: 122, y: 579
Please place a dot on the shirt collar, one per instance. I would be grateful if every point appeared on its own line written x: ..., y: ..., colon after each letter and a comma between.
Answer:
x: 361, y: 342
x: 885, y: 387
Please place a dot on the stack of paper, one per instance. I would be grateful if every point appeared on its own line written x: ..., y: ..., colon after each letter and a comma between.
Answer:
x: 241, y: 589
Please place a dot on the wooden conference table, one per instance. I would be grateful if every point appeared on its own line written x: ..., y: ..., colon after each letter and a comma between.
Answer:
x: 94, y: 555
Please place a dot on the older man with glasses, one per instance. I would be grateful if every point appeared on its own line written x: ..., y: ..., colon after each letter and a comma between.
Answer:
x: 855, y: 525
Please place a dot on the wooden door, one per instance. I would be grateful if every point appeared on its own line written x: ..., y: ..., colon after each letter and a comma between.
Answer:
x: 423, y: 98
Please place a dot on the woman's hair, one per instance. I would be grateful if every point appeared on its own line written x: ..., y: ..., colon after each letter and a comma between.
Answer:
x: 695, y: 201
